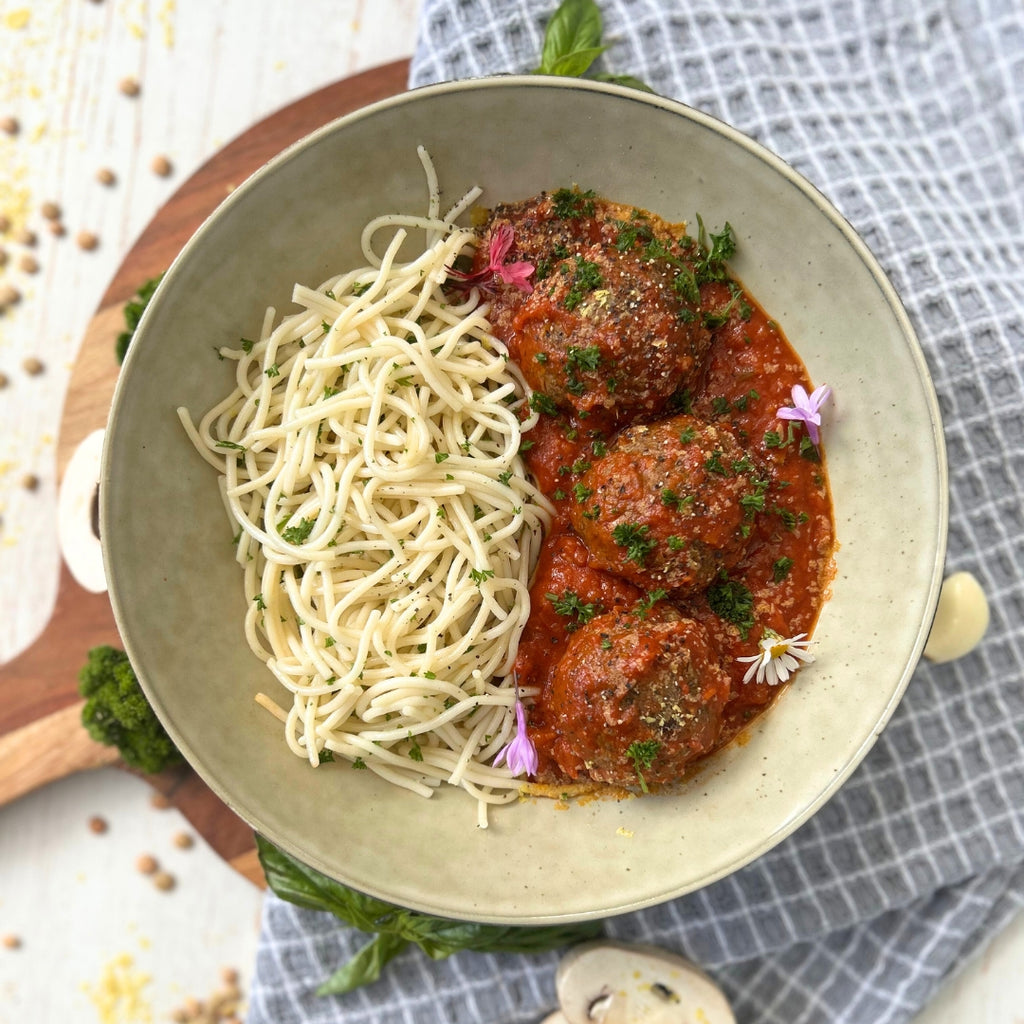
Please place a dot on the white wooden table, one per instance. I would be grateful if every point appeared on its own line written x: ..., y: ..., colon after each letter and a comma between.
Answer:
x: 88, y: 922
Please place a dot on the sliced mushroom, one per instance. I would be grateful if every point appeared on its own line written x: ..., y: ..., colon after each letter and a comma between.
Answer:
x: 961, y: 619
x: 614, y: 983
x: 76, y: 505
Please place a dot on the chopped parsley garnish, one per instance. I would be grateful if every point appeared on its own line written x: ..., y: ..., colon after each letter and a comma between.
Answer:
x: 440, y: 456
x: 231, y: 445
x: 642, y: 753
x: 633, y: 537
x: 325, y: 756
x: 586, y: 277
x: 359, y: 763
x: 588, y: 358
x: 790, y: 519
x: 570, y: 605
x: 541, y: 403
x: 299, y: 533
x: 809, y: 450
x: 713, y: 463
x: 780, y: 569
x: 572, y: 204
x: 415, y: 753
x: 272, y: 371
x: 732, y: 601
x: 686, y: 287
x: 673, y: 500
x: 711, y: 259
x: 646, y: 603
x: 479, y: 575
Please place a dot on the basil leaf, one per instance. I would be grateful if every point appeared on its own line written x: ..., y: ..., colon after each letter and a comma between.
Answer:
x: 631, y: 81
x: 575, y: 64
x: 396, y: 927
x: 575, y: 26
x: 365, y: 966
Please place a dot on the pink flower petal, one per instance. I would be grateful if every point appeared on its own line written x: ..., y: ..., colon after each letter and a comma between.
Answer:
x: 517, y: 274
x: 501, y: 242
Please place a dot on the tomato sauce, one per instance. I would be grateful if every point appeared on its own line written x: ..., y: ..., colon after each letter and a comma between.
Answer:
x: 744, y: 371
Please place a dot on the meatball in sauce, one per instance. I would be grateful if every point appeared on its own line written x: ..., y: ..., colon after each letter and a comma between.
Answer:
x: 636, y: 698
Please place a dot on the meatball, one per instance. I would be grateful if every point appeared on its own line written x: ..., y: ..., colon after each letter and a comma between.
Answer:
x: 634, y: 701
x: 670, y: 504
x: 611, y: 328
x: 604, y: 336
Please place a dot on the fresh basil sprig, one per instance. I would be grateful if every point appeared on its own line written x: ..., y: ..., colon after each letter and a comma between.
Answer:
x: 395, y: 928
x: 572, y: 42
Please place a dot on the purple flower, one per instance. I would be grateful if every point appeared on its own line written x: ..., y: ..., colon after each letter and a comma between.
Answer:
x: 520, y: 755
x: 517, y: 273
x: 806, y: 408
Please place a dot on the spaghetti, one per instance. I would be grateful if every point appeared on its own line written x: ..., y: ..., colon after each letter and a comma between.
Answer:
x: 387, y: 528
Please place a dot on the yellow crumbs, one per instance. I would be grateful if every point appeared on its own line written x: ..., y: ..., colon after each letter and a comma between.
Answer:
x: 119, y: 996
x: 18, y: 18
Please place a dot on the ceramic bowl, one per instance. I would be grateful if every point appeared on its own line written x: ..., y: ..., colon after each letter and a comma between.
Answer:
x: 177, y: 593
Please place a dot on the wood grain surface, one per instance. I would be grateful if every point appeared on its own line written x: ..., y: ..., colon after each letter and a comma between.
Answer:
x: 41, y: 737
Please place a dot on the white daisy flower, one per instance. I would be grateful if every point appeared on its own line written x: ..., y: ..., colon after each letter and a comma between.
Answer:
x: 778, y: 658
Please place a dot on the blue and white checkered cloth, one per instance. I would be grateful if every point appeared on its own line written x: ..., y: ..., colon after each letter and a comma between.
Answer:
x: 910, y: 117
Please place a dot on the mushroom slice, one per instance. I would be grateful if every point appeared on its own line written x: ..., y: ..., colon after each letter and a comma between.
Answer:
x: 614, y: 983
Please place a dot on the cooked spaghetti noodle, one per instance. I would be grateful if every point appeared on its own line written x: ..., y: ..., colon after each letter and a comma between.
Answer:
x: 369, y: 459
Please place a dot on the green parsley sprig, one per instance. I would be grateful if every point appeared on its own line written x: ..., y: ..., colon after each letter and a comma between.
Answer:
x: 642, y: 753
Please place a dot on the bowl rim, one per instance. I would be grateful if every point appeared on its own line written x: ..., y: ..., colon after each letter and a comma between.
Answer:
x: 793, y: 177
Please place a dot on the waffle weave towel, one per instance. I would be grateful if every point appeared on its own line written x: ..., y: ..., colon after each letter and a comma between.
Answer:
x: 910, y: 118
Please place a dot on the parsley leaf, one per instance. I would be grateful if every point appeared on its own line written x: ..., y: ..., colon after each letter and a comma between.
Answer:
x: 570, y: 605
x: 633, y: 537
x: 642, y: 753
x: 299, y: 533
x: 732, y: 601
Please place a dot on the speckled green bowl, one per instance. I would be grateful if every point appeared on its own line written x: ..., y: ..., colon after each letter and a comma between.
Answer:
x: 177, y: 593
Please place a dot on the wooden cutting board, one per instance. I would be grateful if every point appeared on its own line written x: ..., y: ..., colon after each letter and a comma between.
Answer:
x: 41, y: 736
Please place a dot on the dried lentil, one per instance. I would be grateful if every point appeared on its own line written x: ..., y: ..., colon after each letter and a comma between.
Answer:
x: 161, y: 165
x: 32, y: 365
x: 183, y: 841
x: 129, y: 86
x: 87, y: 240
x: 146, y: 864
x: 164, y: 881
